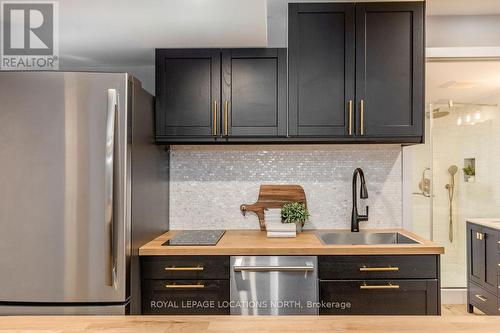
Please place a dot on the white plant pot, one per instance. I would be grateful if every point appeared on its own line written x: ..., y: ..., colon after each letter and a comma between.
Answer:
x: 471, y: 179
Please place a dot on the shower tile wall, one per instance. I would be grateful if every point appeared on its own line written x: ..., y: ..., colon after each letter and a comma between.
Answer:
x: 209, y: 183
x: 453, y: 143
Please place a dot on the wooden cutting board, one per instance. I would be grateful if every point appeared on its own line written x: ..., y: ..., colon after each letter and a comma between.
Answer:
x: 274, y: 196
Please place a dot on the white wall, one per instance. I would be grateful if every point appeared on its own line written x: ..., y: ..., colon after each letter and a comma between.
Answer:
x: 121, y: 35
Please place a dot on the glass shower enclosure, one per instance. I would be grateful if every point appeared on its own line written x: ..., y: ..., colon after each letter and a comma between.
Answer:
x: 453, y: 175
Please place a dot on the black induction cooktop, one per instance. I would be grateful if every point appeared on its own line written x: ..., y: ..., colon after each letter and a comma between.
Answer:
x: 195, y: 238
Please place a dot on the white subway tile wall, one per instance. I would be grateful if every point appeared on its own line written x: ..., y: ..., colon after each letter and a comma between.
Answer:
x: 209, y: 183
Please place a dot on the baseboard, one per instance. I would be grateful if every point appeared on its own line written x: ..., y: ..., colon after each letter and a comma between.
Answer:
x: 453, y: 296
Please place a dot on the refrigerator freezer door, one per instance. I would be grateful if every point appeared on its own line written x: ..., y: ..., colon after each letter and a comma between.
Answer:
x: 60, y: 241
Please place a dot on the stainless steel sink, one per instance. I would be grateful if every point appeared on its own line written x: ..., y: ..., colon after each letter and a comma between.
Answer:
x: 363, y: 238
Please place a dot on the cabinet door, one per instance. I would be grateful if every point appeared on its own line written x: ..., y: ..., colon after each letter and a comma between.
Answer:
x: 254, y: 92
x: 475, y: 258
x: 187, y: 92
x: 379, y: 297
x: 185, y: 297
x: 390, y: 69
x: 321, y: 45
x: 490, y: 240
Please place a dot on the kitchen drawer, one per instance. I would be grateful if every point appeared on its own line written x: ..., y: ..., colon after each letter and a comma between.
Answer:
x: 483, y: 300
x: 378, y: 267
x: 380, y: 297
x: 185, y: 267
x: 185, y: 297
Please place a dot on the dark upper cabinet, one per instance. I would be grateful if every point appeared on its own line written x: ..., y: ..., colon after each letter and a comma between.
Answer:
x: 254, y: 92
x: 187, y: 92
x: 214, y: 95
x: 321, y: 41
x: 390, y: 69
x: 355, y: 73
x: 369, y: 53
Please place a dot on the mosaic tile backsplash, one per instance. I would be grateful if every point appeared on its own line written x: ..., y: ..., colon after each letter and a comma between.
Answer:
x: 209, y: 183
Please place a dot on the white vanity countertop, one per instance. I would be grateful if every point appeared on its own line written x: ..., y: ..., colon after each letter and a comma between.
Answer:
x: 493, y: 223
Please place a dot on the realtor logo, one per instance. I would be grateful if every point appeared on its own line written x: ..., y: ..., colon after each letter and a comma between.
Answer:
x: 30, y: 36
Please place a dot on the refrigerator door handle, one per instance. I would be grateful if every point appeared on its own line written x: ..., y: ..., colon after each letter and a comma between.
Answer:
x: 109, y: 181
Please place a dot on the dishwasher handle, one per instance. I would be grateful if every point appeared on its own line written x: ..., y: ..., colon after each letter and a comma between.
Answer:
x: 273, y: 268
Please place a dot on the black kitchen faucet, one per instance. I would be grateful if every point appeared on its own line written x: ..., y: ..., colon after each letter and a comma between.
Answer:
x: 355, y: 217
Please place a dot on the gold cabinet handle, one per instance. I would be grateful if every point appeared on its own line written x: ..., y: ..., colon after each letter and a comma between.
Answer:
x: 214, y: 130
x: 173, y: 268
x: 378, y: 269
x: 184, y: 286
x: 350, y: 117
x: 226, y: 116
x: 480, y: 236
x: 362, y: 116
x: 387, y: 286
x: 482, y: 298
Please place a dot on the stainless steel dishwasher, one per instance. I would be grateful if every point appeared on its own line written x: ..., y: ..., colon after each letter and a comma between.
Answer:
x: 274, y: 285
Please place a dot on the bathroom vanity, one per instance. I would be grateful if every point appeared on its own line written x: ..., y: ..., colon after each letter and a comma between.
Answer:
x: 483, y: 265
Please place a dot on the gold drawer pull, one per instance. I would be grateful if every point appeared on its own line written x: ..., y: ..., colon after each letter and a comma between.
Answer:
x: 482, y: 298
x: 350, y: 117
x: 362, y: 116
x: 378, y: 269
x: 387, y: 286
x: 226, y: 116
x: 214, y: 129
x: 185, y: 286
x: 173, y: 268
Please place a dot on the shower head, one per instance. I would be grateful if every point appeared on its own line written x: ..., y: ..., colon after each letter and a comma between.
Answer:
x: 453, y: 170
x: 438, y: 113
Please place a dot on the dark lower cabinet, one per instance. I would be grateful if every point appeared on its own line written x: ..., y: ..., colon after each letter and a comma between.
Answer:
x: 379, y: 285
x: 379, y: 297
x: 185, y: 297
x: 175, y: 285
x: 482, y: 299
x: 348, y: 285
x: 483, y: 268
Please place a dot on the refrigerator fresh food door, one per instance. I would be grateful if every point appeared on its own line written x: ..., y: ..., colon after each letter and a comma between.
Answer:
x: 64, y: 211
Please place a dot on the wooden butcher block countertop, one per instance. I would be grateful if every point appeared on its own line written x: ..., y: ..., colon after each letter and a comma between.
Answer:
x: 255, y: 242
x: 263, y: 324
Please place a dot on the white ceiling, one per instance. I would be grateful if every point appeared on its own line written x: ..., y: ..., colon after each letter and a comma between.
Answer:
x: 117, y: 33
x: 463, y: 81
x: 125, y: 32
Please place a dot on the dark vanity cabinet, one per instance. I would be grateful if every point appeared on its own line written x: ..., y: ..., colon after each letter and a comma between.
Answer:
x: 180, y: 285
x: 216, y: 96
x: 357, y: 71
x: 379, y: 285
x: 483, y: 268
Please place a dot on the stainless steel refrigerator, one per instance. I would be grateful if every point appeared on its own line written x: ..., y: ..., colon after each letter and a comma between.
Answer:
x: 82, y: 186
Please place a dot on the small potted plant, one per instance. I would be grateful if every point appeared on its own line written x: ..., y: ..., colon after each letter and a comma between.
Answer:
x: 470, y: 174
x: 295, y: 212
